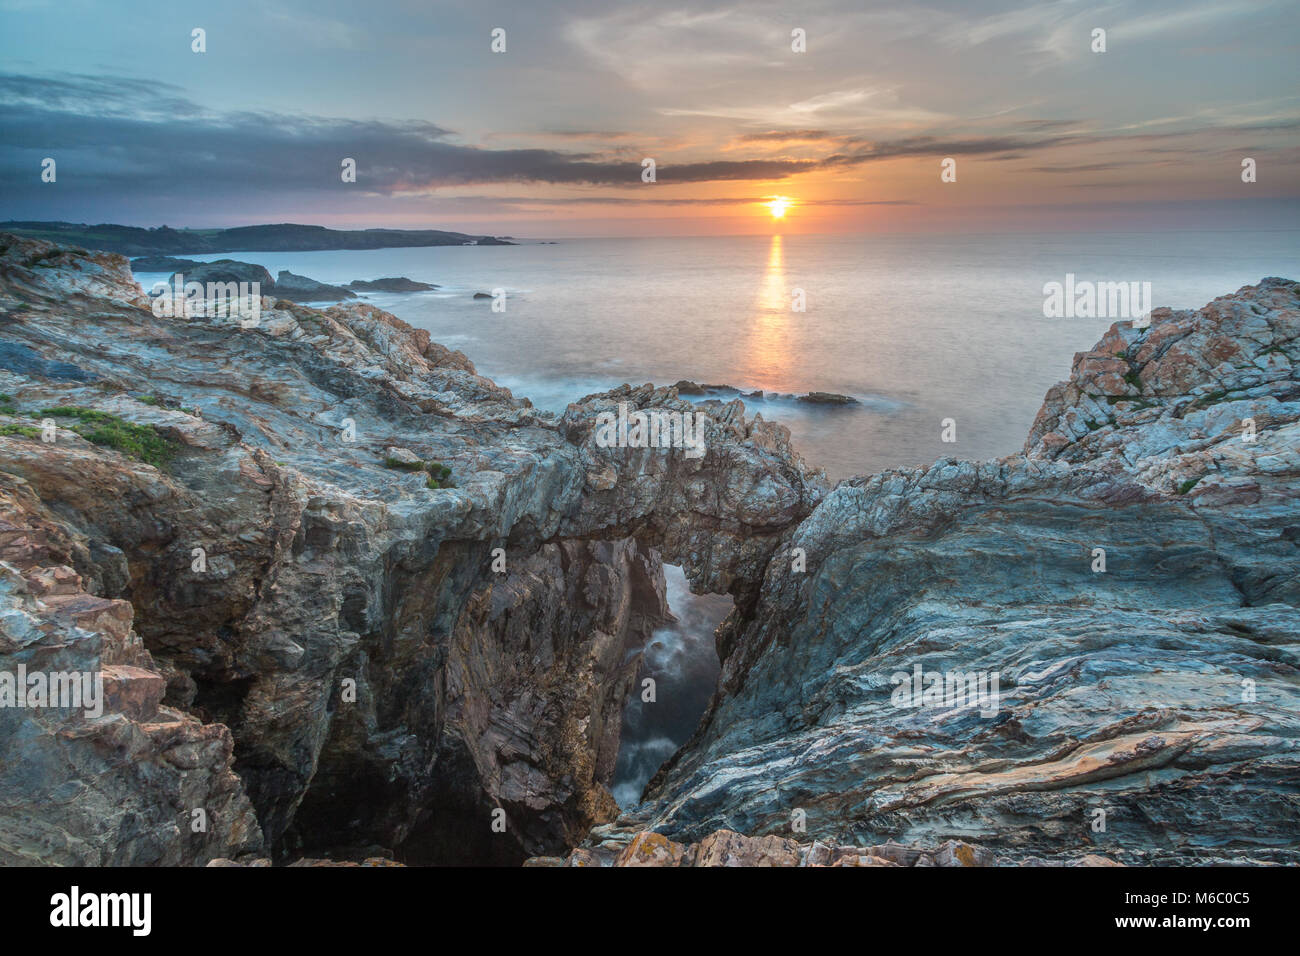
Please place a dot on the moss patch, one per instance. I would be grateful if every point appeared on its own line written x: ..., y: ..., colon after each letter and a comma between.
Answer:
x: 398, y: 465
x: 20, y: 431
x: 439, y: 475
x: 100, y: 428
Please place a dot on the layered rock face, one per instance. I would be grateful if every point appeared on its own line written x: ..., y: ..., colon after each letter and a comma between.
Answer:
x: 117, y: 778
x: 411, y: 598
x: 1148, y: 704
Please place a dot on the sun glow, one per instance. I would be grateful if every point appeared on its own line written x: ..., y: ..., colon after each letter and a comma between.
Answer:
x: 778, y: 206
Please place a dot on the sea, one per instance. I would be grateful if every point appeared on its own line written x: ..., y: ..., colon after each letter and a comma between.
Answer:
x: 934, y: 336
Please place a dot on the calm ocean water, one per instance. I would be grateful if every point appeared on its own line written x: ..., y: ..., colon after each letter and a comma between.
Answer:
x: 919, y: 329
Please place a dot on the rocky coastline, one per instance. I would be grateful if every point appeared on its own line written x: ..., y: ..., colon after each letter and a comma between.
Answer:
x: 320, y: 653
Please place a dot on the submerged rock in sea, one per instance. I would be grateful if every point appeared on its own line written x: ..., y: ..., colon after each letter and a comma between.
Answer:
x: 399, y: 284
x: 827, y: 398
x: 687, y: 387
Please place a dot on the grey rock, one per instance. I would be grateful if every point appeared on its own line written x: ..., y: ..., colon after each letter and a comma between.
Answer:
x: 475, y: 689
x: 298, y: 288
x: 400, y: 284
x: 827, y: 398
x: 1162, y: 691
x: 163, y: 264
x: 224, y: 270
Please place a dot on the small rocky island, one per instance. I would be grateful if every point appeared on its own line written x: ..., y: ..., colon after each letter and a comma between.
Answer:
x: 350, y: 598
x: 286, y: 285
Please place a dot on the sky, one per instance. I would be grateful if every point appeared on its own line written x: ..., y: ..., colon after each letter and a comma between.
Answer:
x: 548, y: 138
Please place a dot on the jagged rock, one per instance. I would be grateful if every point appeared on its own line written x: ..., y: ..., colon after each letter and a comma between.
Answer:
x: 298, y: 288
x: 624, y: 845
x: 726, y: 848
x: 850, y: 858
x: 136, y: 692
x: 117, y: 787
x: 257, y: 862
x: 957, y: 853
x: 262, y: 862
x: 1162, y: 691
x: 370, y: 861
x: 224, y: 270
x: 384, y: 685
x: 652, y: 849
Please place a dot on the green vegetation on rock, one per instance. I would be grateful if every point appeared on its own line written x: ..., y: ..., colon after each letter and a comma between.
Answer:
x: 101, y: 428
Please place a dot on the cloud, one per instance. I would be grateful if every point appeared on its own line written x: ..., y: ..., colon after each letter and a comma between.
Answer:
x: 154, y: 139
x: 788, y: 136
x: 115, y: 133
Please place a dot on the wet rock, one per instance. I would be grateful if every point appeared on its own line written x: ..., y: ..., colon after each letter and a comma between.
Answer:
x: 827, y: 398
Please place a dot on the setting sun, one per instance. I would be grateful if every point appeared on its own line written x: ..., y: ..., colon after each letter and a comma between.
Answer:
x: 778, y: 206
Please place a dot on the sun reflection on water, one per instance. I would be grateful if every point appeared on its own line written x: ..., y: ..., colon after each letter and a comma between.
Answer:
x: 771, y: 331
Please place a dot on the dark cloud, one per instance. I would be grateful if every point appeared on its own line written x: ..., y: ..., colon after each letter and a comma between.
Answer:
x: 154, y: 140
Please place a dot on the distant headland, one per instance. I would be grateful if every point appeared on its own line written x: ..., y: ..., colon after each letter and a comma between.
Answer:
x: 280, y: 237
